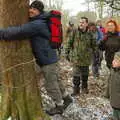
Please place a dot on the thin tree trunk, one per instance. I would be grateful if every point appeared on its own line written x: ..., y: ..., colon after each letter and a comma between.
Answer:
x: 101, y: 6
x: 20, y: 95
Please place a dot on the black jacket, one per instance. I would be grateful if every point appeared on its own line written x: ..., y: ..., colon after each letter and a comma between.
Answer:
x: 110, y: 45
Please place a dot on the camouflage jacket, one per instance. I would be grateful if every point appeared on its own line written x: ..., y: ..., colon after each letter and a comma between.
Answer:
x: 70, y: 33
x: 83, y: 44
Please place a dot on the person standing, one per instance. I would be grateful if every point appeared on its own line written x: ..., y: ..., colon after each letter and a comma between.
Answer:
x: 102, y: 33
x: 111, y: 42
x: 83, y: 43
x: 96, y: 52
x: 110, y: 45
x: 100, y: 26
x: 115, y: 86
x: 37, y: 30
x: 69, y: 37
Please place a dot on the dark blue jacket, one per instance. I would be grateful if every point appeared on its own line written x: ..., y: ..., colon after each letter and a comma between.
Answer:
x: 38, y: 33
x: 99, y: 36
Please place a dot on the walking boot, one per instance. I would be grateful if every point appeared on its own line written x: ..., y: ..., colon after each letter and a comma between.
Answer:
x: 56, y: 110
x: 76, y: 91
x: 67, y: 101
x: 85, y: 90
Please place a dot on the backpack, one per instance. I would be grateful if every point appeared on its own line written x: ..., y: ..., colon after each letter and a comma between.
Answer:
x: 55, y: 27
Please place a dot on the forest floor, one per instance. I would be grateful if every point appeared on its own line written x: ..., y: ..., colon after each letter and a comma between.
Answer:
x: 92, y: 106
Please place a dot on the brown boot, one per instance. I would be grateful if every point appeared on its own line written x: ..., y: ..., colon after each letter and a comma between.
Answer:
x: 76, y: 91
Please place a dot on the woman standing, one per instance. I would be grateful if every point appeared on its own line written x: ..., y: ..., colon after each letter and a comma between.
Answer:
x: 111, y: 42
x: 110, y: 45
x: 115, y: 86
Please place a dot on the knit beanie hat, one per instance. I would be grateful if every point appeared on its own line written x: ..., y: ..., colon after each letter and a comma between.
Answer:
x: 38, y: 5
x: 117, y: 56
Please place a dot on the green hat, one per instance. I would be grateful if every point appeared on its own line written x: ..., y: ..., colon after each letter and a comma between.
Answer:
x: 117, y: 56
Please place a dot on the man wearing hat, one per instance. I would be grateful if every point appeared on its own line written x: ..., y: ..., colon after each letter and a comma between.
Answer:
x: 115, y: 86
x: 37, y: 30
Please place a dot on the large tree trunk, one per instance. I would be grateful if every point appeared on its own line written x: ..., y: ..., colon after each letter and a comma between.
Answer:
x: 20, y: 94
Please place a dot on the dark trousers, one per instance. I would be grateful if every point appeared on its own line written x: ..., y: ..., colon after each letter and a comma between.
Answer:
x: 95, y: 62
x: 80, y: 74
x: 100, y: 57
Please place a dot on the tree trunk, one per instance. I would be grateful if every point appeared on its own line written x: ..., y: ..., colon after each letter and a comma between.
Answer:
x: 101, y: 6
x: 20, y: 95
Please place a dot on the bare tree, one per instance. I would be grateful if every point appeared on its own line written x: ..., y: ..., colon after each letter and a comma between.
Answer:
x: 115, y: 4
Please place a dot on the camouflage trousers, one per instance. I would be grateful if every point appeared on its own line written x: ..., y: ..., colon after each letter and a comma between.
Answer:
x: 53, y: 85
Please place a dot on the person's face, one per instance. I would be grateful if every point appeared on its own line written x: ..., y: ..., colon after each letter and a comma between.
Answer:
x: 116, y: 63
x: 92, y: 28
x: 110, y: 27
x: 83, y: 24
x: 99, y: 23
x: 33, y: 12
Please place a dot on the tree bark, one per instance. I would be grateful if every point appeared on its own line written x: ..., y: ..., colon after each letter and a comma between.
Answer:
x: 20, y: 95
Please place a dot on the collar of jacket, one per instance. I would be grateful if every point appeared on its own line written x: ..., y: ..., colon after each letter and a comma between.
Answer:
x: 109, y: 34
x: 81, y: 30
x: 42, y: 15
x: 116, y: 69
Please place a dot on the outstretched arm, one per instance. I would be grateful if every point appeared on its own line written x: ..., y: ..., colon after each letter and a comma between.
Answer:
x: 24, y: 31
